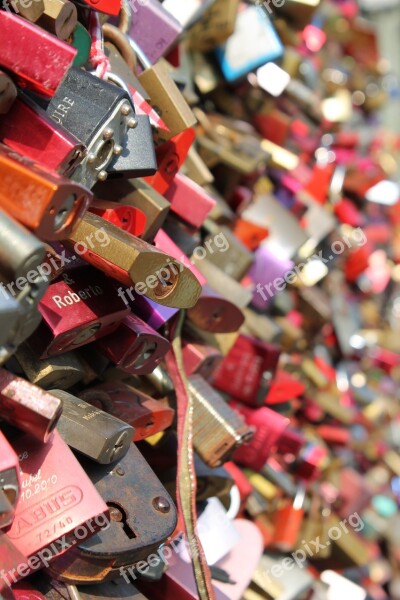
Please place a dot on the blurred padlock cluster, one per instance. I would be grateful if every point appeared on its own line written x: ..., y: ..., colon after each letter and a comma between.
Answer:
x: 199, y: 302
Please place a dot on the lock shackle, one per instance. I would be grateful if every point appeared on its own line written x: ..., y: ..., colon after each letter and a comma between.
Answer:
x: 144, y: 61
x: 121, y: 41
x: 124, y: 25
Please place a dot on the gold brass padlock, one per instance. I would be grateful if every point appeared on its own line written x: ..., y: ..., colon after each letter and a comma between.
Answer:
x: 133, y: 262
x: 165, y: 97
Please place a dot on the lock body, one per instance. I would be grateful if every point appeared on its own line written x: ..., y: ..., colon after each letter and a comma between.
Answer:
x: 43, y: 201
x: 217, y: 430
x: 146, y: 415
x: 92, y: 432
x: 135, y: 347
x: 28, y: 407
x: 77, y: 310
x: 50, y: 514
x: 99, y: 114
x: 130, y: 260
x: 53, y: 57
x: 53, y: 148
x: 142, y: 516
x: 248, y: 370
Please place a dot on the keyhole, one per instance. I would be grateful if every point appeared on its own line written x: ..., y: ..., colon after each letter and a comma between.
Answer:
x: 118, y: 514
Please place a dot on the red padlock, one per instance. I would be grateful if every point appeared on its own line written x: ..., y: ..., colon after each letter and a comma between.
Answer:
x: 134, y: 347
x: 80, y: 308
x: 268, y: 425
x: 170, y: 157
x: 58, y: 507
x: 146, y: 415
x: 128, y: 218
x: 38, y: 59
x: 248, y: 369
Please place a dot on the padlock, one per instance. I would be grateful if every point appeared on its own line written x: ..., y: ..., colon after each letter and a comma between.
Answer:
x: 122, y: 58
x: 181, y: 188
x: 183, y: 236
x: 223, y: 284
x: 138, y: 158
x: 128, y: 218
x: 138, y: 194
x: 58, y: 504
x: 200, y: 359
x: 134, y: 347
x: 250, y: 234
x: 129, y: 259
x: 60, y: 203
x: 25, y: 312
x: 241, y: 152
x: 170, y: 157
x: 145, y: 415
x: 196, y: 169
x: 214, y: 313
x: 248, y: 370
x: 76, y: 310
x: 20, y: 253
x: 217, y: 429
x: 314, y: 526
x: 216, y: 26
x: 165, y: 244
x: 9, y: 483
x: 142, y: 517
x: 286, y: 236
x: 59, y: 18
x: 99, y: 119
x: 152, y: 28
x: 27, y: 407
x: 28, y: 298
x: 274, y: 579
x: 62, y: 371
x: 165, y: 97
x: 155, y: 315
x: 8, y: 93
x: 236, y: 260
x: 287, y: 520
x: 267, y: 426
x: 92, y: 432
x: 53, y: 57
x: 240, y: 55
x: 53, y: 147
x: 10, y: 315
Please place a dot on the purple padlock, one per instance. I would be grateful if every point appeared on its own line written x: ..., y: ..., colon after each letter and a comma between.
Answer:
x: 268, y: 275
